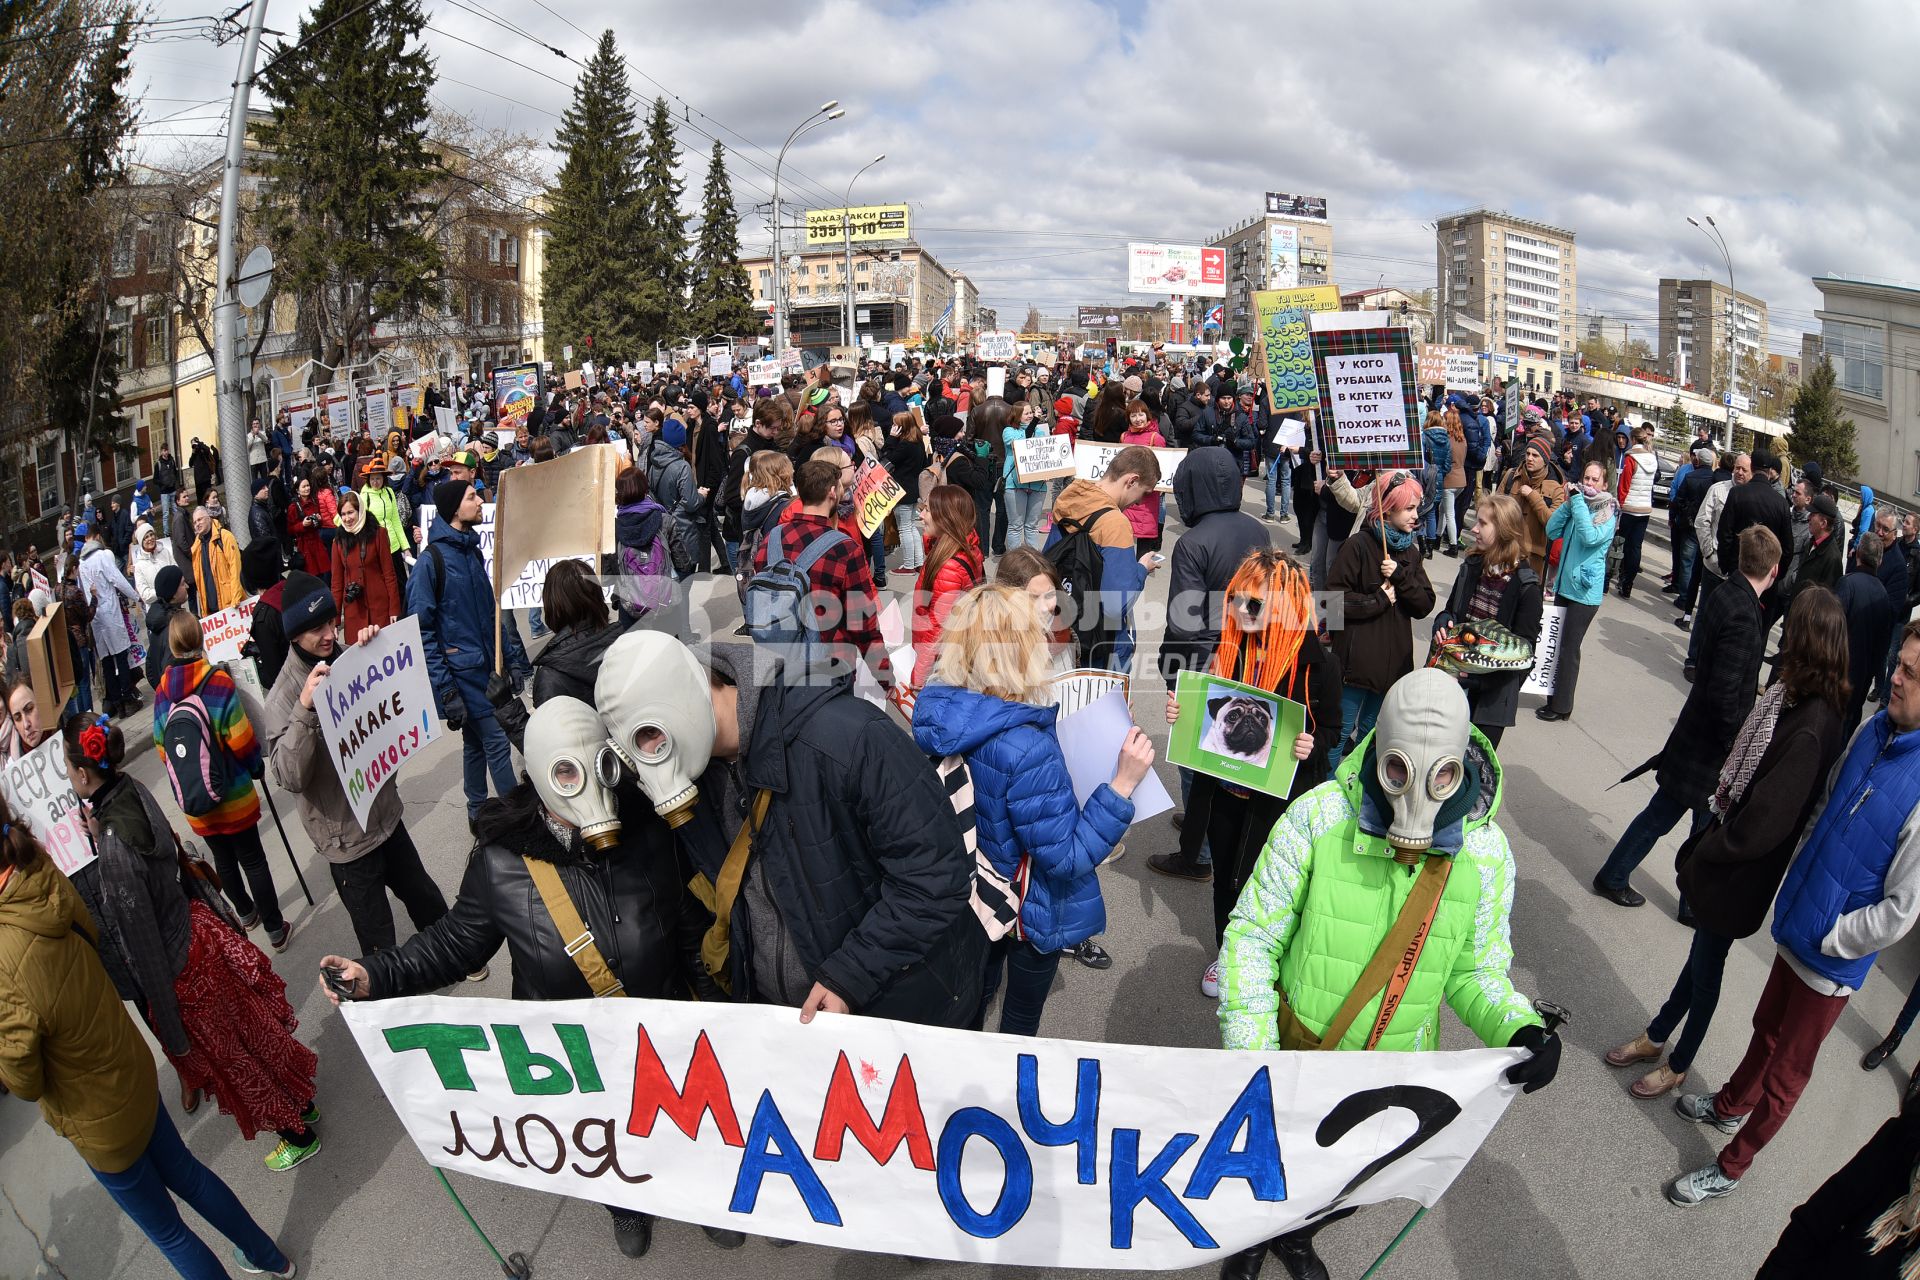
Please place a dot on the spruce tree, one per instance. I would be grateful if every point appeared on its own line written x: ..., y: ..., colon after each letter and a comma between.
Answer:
x: 1820, y: 433
x: 722, y: 299
x: 351, y: 184
x: 662, y: 238
x: 591, y: 284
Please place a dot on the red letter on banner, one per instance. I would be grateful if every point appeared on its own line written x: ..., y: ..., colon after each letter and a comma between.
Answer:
x: 705, y: 1092
x: 903, y: 1121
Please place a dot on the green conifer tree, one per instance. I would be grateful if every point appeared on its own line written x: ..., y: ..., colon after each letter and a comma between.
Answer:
x: 662, y: 234
x: 722, y: 299
x: 1820, y: 433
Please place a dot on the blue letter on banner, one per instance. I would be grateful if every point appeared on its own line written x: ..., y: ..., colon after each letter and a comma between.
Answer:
x: 1129, y: 1184
x: 1016, y: 1192
x: 771, y: 1149
x: 1258, y: 1162
x: 1082, y: 1128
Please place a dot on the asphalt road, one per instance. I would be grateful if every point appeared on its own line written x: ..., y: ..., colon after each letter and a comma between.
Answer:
x: 1569, y: 1184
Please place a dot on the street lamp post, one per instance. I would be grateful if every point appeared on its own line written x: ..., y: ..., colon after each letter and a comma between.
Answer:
x: 1712, y: 232
x: 848, y: 334
x: 826, y: 111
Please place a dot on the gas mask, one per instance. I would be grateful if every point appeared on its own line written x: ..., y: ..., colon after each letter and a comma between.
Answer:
x: 574, y: 769
x: 653, y: 699
x: 1420, y: 748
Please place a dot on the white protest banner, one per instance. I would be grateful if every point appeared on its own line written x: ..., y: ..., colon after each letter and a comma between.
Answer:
x: 1090, y: 461
x: 996, y: 380
x: 1546, y: 652
x: 720, y: 361
x: 443, y: 419
x: 622, y: 446
x: 862, y: 1133
x: 376, y: 710
x: 223, y: 633
x: 1438, y: 363
x: 339, y: 407
x: 245, y: 674
x: 763, y: 373
x: 1290, y: 431
x: 409, y: 397
x: 1369, y: 410
x: 38, y: 792
x: 1083, y: 686
x: 999, y: 344
x: 588, y: 375
x: 789, y: 360
x: 643, y: 368
x: 1043, y: 458
x: 379, y: 409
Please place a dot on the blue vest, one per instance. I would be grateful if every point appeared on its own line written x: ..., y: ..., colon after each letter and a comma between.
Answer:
x: 1843, y: 865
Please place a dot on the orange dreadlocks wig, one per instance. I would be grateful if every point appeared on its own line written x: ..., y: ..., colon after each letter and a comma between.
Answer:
x: 1285, y: 613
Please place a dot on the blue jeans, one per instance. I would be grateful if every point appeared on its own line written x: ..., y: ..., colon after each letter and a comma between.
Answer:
x: 1024, y: 508
x: 169, y: 512
x: 1654, y: 821
x: 1359, y: 708
x: 82, y: 699
x: 1029, y: 977
x: 486, y: 748
x: 1686, y: 563
x: 145, y: 1190
x: 1273, y: 481
x: 1696, y: 993
x: 1206, y: 848
x: 877, y: 553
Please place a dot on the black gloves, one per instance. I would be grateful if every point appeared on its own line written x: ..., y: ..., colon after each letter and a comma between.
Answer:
x: 1536, y: 1072
x: 499, y: 690
x: 453, y: 711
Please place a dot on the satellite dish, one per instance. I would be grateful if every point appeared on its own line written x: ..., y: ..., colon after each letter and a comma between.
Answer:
x: 256, y: 276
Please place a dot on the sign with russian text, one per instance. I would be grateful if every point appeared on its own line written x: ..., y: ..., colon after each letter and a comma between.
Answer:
x: 1456, y: 368
x: 376, y: 712
x: 1176, y: 268
x: 1368, y: 415
x: 339, y: 407
x: 514, y: 390
x: 764, y: 373
x: 1091, y: 459
x: 861, y: 1133
x: 875, y: 494
x: 1002, y: 345
x: 1285, y: 345
x: 861, y: 223
x: 1042, y: 458
x: 39, y: 794
x: 379, y: 410
x: 223, y: 634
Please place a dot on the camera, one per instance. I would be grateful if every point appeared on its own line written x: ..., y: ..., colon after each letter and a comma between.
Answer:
x: 354, y: 591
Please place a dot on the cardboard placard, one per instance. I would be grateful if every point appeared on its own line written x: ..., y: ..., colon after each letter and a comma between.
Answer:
x: 875, y: 494
x: 50, y: 664
x: 223, y: 634
x: 1236, y: 732
x: 1043, y: 458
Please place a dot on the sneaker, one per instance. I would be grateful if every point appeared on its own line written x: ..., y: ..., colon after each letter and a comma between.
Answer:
x: 1873, y: 1057
x: 1092, y: 955
x: 1210, y: 981
x: 1703, y: 1184
x: 480, y: 974
x: 1119, y: 852
x: 906, y: 572
x: 242, y: 1261
x: 632, y: 1232
x: 311, y: 1116
x: 1698, y: 1107
x: 1684, y: 622
x: 286, y: 1155
x: 278, y: 938
x: 251, y: 920
x: 725, y: 1237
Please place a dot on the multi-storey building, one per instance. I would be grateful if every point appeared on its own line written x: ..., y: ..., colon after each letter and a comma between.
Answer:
x: 1696, y: 318
x: 1507, y: 285
x: 1260, y: 251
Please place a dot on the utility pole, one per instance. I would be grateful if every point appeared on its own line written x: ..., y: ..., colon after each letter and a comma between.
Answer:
x: 236, y: 477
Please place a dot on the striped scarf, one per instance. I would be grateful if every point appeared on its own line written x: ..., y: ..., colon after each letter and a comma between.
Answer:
x: 1751, y: 744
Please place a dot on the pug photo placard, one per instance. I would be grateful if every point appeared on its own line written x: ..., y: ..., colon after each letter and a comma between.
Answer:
x: 1236, y: 732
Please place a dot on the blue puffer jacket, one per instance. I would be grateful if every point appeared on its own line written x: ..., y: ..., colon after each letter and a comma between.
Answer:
x: 1024, y: 807
x: 1583, y: 554
x: 454, y: 602
x: 1478, y: 431
x: 1843, y: 865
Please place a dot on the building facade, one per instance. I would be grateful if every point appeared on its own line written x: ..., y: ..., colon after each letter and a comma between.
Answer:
x: 1696, y: 317
x: 1508, y: 286
x: 893, y: 274
x: 1253, y: 250
x: 1871, y: 333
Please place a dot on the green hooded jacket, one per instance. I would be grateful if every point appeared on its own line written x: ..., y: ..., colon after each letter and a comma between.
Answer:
x: 1327, y: 890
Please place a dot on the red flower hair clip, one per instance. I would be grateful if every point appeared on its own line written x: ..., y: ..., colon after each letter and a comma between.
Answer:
x: 93, y: 744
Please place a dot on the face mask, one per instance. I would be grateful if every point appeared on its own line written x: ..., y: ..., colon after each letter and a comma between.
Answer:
x: 574, y: 769
x: 650, y: 681
x: 1420, y: 748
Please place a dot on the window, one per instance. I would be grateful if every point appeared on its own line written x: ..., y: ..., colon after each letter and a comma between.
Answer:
x: 157, y: 339
x: 123, y: 253
x: 863, y: 266
x: 474, y: 307
x: 493, y: 246
x: 766, y: 276
x: 820, y: 269
x: 493, y: 308
x: 1858, y: 355
x: 47, y: 476
x: 120, y: 327
x: 513, y: 251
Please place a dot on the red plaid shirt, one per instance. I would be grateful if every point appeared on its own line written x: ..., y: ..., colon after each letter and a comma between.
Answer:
x: 847, y: 611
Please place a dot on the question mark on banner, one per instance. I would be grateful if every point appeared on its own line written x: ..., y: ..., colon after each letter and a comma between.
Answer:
x: 1432, y: 1109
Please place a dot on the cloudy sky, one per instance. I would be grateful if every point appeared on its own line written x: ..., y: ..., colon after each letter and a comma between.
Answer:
x: 1033, y: 138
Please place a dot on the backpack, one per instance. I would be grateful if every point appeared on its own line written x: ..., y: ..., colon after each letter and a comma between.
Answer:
x: 776, y: 596
x: 995, y: 900
x: 683, y: 540
x: 198, y: 764
x: 1078, y: 558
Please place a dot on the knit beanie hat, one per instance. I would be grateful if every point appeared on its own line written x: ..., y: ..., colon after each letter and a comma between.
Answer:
x: 167, y: 582
x: 674, y: 432
x: 305, y: 603
x: 447, y: 497
x: 1536, y: 445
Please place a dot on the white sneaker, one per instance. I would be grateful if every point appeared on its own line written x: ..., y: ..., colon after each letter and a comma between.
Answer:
x: 1210, y: 981
x: 1119, y: 851
x: 1703, y: 1184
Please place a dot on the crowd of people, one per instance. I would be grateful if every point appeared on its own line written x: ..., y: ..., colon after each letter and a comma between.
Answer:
x: 739, y: 819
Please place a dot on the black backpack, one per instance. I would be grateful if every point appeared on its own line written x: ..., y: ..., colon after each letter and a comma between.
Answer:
x: 1078, y: 558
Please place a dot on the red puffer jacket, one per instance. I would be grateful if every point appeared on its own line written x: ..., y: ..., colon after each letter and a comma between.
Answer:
x: 931, y: 604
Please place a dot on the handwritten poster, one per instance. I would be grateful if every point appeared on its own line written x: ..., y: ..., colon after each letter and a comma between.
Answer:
x: 38, y: 792
x: 1285, y: 345
x: 1043, y: 458
x: 1090, y: 461
x: 377, y: 712
x: 875, y: 494
x: 223, y: 634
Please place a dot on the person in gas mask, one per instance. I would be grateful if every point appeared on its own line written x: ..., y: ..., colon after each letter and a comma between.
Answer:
x: 843, y: 877
x: 1383, y: 841
x: 566, y: 851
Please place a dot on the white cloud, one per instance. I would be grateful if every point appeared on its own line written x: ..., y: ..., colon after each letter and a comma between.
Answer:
x: 1034, y: 136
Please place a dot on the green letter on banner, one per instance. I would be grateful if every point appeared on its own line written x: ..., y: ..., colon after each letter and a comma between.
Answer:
x: 444, y: 1043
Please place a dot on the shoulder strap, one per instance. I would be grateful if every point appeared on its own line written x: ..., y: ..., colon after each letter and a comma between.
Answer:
x: 717, y: 947
x: 574, y: 934
x: 1394, y: 960
x: 818, y: 548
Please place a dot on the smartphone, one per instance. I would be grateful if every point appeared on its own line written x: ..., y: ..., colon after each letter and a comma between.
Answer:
x: 1158, y: 558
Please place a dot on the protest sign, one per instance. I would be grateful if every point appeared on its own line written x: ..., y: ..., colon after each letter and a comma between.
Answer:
x: 996, y: 380
x: 1090, y: 461
x: 1546, y: 652
x: 1090, y: 740
x: 1081, y: 687
x: 720, y: 361
x: 1290, y: 430
x: 999, y: 344
x: 339, y: 407
x: 1512, y: 406
x: 443, y: 419
x: 222, y: 634
x: 245, y: 674
x: 1368, y: 414
x: 875, y: 494
x: 514, y: 390
x: 1236, y: 732
x: 763, y: 373
x: 863, y: 1133
x: 1283, y: 348
x: 409, y: 397
x: 572, y: 380
x: 560, y: 508
x: 643, y: 368
x: 1043, y: 458
x: 379, y: 409
x: 40, y: 795
x: 50, y: 662
x: 376, y: 710
x: 586, y: 372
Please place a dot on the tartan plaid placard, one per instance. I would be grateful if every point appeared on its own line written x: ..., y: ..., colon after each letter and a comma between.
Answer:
x: 1369, y: 415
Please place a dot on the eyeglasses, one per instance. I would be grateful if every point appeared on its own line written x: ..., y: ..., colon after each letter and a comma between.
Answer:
x: 1250, y: 605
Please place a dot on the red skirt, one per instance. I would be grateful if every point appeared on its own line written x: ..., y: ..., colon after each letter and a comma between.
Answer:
x: 240, y: 1030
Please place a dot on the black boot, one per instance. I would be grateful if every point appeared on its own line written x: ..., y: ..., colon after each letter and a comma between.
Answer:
x: 1172, y: 864
x: 1880, y: 1052
x: 1244, y: 1265
x: 1296, y: 1254
x: 725, y: 1238
x: 633, y: 1232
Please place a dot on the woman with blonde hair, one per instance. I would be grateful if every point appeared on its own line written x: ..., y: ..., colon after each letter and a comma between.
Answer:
x: 1268, y: 639
x: 989, y: 703
x: 1496, y: 583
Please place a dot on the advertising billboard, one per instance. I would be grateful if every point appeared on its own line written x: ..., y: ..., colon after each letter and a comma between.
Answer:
x: 868, y: 222
x: 1177, y: 268
x: 1297, y: 206
x: 1092, y: 318
x: 1283, y: 257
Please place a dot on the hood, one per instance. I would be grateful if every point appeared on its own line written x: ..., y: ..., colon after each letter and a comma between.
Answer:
x: 39, y: 900
x: 660, y: 454
x: 577, y: 654
x: 753, y: 671
x: 461, y: 538
x: 1208, y: 480
x: 1436, y: 433
x: 949, y: 720
x: 1082, y: 498
x: 1468, y: 809
x: 639, y: 524
x: 93, y: 549
x: 1866, y: 496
